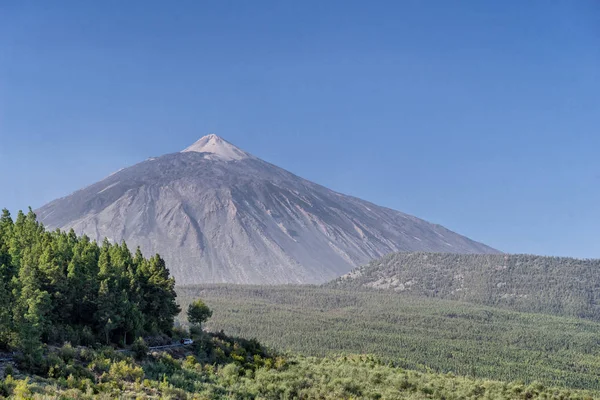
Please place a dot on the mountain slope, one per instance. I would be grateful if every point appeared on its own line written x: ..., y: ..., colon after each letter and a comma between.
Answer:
x: 219, y: 214
x: 554, y: 285
x: 412, y: 332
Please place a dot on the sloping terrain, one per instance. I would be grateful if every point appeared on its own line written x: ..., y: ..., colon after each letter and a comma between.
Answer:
x: 412, y: 332
x: 219, y: 214
x: 167, y: 376
x: 555, y: 285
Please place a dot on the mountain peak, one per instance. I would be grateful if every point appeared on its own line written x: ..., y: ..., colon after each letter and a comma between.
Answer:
x: 218, y: 147
x: 218, y: 214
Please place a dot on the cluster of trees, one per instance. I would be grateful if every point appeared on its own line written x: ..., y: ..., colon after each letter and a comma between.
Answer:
x: 554, y: 285
x: 413, y: 332
x: 57, y: 287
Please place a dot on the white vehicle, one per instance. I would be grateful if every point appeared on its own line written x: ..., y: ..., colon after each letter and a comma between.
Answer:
x: 186, y: 341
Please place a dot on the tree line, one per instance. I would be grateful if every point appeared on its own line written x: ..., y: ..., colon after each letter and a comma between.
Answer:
x: 57, y: 286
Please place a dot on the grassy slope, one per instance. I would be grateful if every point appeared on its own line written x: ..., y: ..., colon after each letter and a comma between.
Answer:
x: 163, y: 376
x: 553, y: 285
x: 415, y: 333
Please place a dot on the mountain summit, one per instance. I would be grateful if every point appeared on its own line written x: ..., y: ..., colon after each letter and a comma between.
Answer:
x: 218, y: 147
x: 219, y: 214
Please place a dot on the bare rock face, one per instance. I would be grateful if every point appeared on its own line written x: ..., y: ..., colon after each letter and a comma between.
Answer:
x: 219, y: 214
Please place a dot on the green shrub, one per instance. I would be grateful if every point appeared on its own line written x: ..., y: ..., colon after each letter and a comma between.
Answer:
x: 139, y: 349
x: 6, y: 387
x: 195, y: 331
x: 230, y: 372
x: 86, y: 354
x: 55, y: 366
x: 9, y: 370
x: 179, y: 333
x: 168, y: 361
x: 125, y: 371
x: 21, y: 389
x: 190, y: 362
x: 67, y: 352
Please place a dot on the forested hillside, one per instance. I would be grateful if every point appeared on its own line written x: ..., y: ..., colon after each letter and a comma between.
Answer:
x: 415, y: 333
x: 554, y: 285
x: 57, y: 287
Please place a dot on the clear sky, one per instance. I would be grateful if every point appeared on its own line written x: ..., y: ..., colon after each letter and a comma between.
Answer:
x: 483, y: 116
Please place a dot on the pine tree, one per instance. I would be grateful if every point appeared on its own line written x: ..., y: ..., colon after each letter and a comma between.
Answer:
x: 6, y: 232
x: 198, y: 312
x: 82, y: 281
x: 56, y: 286
x: 53, y: 279
x: 5, y: 315
x: 161, y: 307
x: 6, y: 275
x: 119, y: 316
x: 107, y: 318
x: 31, y: 311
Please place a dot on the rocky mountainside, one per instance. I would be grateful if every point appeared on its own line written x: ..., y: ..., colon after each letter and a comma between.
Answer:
x: 219, y: 214
x: 554, y: 285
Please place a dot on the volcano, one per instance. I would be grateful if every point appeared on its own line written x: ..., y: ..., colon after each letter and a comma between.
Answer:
x: 219, y: 214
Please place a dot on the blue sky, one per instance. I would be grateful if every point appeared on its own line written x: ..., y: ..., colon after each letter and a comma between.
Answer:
x: 481, y: 116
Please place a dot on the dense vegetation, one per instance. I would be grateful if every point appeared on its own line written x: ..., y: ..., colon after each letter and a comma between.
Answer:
x: 67, y: 302
x: 57, y: 287
x: 238, y: 369
x: 554, y: 285
x: 414, y: 333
